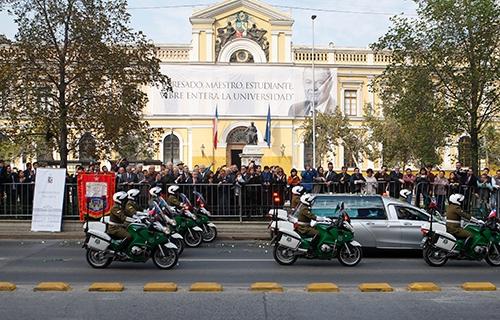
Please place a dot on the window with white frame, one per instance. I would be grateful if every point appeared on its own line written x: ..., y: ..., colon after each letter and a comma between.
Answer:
x: 350, y: 102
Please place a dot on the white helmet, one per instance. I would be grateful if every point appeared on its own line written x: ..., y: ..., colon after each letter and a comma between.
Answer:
x: 173, y: 189
x: 133, y: 193
x: 155, y: 191
x: 405, y: 193
x: 297, y: 190
x: 307, y: 199
x: 456, y: 198
x: 119, y: 196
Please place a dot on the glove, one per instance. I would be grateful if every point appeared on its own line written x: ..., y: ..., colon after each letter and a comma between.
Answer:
x: 477, y: 221
x: 128, y: 219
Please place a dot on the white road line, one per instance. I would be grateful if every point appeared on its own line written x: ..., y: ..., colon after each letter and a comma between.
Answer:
x: 226, y: 260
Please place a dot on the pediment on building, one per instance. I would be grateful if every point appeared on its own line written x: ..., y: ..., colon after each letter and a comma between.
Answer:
x: 229, y: 6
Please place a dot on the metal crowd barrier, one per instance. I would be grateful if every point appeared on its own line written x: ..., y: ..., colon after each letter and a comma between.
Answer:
x: 254, y: 201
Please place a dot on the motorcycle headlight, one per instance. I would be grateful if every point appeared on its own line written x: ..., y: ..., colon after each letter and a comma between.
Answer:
x: 166, y: 230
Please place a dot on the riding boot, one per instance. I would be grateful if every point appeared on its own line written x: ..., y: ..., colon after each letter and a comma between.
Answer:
x: 465, y: 246
x: 312, y: 245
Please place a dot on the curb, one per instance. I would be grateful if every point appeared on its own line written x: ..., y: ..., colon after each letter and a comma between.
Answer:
x: 423, y: 287
x: 266, y: 287
x: 322, y: 287
x: 478, y: 286
x: 7, y: 286
x: 52, y: 286
x: 160, y: 287
x: 206, y: 287
x: 375, y: 287
x: 106, y: 287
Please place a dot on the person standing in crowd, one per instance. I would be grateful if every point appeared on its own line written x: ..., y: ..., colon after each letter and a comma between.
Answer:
x: 308, y: 176
x: 344, y: 180
x: 279, y: 182
x: 454, y: 183
x: 486, y: 171
x: 460, y: 173
x: 370, y: 186
x: 382, y: 179
x: 3, y: 181
x: 495, y: 182
x: 440, y: 190
x: 331, y: 178
x: 409, y: 183
x: 293, y: 179
x: 395, y: 182
x: 422, y: 185
x: 11, y: 188
x: 469, y: 189
x: 357, y: 181
x: 320, y: 181
x: 485, y: 188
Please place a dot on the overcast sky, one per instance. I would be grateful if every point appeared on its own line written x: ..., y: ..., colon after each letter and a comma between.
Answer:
x: 359, y: 23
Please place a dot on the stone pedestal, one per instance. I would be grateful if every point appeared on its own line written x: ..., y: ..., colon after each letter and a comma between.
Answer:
x: 251, y: 152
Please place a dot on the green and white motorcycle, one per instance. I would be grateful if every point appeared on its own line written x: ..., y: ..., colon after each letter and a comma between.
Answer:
x: 335, y: 241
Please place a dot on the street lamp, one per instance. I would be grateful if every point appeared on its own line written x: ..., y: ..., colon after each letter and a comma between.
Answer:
x: 313, y: 17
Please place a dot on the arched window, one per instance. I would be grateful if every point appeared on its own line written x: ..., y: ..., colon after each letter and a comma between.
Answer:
x: 171, y: 149
x: 86, y: 147
x: 237, y: 136
x: 464, y: 154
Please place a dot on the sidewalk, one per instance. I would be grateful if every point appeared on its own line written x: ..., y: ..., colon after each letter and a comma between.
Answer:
x: 72, y: 230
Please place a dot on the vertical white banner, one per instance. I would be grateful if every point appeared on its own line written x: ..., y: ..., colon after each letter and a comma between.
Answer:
x: 48, y: 201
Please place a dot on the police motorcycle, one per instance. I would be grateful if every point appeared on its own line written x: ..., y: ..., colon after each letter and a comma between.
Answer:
x: 335, y: 241
x: 185, y: 220
x: 157, y: 209
x: 150, y: 239
x: 202, y: 216
x: 282, y: 218
x: 439, y: 246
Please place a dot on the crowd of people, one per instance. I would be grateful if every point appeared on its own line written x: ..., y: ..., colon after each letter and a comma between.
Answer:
x: 426, y: 182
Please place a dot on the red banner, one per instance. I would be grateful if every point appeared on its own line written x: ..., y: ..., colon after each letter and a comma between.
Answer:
x: 95, y: 194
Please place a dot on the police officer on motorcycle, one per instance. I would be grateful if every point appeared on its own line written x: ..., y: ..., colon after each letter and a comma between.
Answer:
x: 132, y: 206
x: 173, y: 197
x: 454, y: 214
x: 297, y: 192
x: 304, y: 221
x: 117, y: 227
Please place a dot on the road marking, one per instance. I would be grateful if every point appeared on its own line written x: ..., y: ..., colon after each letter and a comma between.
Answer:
x: 225, y: 260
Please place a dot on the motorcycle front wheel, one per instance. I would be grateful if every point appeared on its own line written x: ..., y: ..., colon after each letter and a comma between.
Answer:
x: 284, y: 255
x: 209, y: 233
x: 193, y: 238
x: 97, y: 259
x: 165, y: 258
x: 434, y: 257
x: 493, y: 256
x: 350, y: 255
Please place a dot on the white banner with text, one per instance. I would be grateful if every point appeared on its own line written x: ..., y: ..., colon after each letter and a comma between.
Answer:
x: 244, y: 90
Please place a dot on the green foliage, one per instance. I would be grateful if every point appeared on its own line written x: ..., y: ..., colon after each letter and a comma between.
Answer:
x: 76, y: 67
x: 445, y: 62
x: 490, y: 148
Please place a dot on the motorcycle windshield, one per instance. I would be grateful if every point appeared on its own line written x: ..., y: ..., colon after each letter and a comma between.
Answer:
x: 185, y: 199
x: 199, y: 197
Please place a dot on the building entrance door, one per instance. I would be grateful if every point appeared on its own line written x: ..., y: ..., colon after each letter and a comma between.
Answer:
x: 236, y: 140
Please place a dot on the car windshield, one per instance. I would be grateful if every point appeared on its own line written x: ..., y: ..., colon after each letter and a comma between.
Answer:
x: 357, y: 207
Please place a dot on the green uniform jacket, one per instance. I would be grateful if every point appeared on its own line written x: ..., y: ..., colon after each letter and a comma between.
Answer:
x: 453, y: 214
x: 305, y: 217
x: 131, y: 208
x: 118, y: 215
x: 173, y: 201
x: 295, y: 201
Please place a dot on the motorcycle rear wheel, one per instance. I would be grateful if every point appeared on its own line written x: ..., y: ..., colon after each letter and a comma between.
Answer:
x: 96, y: 259
x: 193, y: 239
x: 493, y: 258
x: 430, y: 256
x: 209, y: 234
x: 179, y: 243
x: 283, y: 255
x: 167, y: 261
x: 351, y: 257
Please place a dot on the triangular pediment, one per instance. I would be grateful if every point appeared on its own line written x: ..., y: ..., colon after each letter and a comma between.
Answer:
x: 258, y: 6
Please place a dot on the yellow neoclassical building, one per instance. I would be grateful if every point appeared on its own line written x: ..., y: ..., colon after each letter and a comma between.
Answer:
x: 241, y: 62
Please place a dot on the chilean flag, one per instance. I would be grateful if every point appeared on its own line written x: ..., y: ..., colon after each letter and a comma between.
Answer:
x: 215, y: 127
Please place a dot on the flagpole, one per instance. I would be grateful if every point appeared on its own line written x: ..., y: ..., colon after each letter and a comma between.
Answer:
x: 313, y: 98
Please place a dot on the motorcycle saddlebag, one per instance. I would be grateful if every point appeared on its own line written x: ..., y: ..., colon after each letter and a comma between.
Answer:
x: 289, y: 239
x: 444, y: 240
x: 98, y: 240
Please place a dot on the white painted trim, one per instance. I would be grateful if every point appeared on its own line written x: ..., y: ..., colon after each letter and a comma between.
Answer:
x: 181, y: 145
x: 259, y: 56
x: 195, y: 43
x: 209, y: 53
x: 274, y: 47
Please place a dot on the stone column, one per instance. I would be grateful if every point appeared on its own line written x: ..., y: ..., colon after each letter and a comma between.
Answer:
x: 210, y: 45
x: 274, y: 46
x: 195, y: 45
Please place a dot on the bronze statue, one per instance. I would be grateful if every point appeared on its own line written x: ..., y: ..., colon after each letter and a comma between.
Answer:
x: 251, y: 133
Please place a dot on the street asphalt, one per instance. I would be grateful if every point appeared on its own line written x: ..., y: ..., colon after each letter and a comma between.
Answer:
x: 237, y: 264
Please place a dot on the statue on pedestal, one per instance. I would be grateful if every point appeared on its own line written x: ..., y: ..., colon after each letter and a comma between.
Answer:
x: 251, y: 133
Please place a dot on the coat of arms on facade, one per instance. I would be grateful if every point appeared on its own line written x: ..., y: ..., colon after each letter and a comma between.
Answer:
x: 241, y: 25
